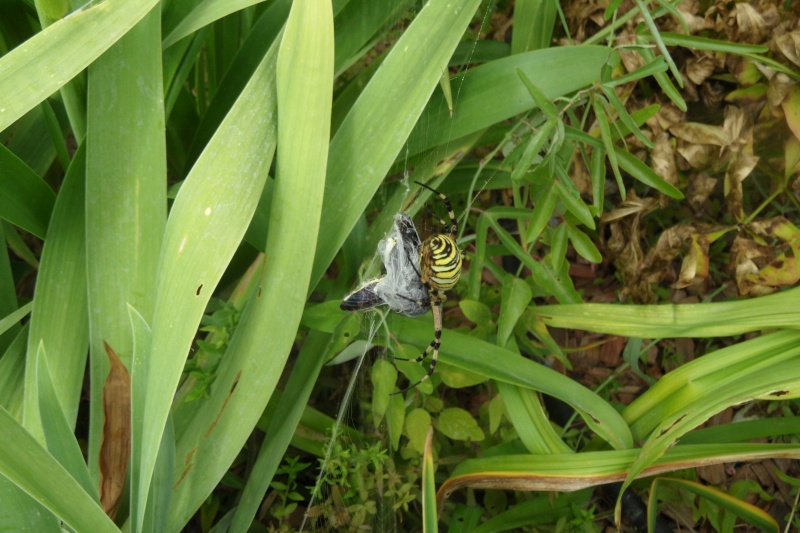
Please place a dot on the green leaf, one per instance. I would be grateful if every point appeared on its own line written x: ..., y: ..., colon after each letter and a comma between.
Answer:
x: 47, y: 61
x: 583, y: 245
x: 568, y: 69
x: 384, y: 378
x: 25, y: 199
x: 551, y: 281
x: 515, y: 298
x: 663, y: 80
x: 608, y: 142
x: 624, y: 116
x: 630, y: 164
x: 395, y: 418
x: 528, y: 417
x: 719, y: 319
x: 574, y: 471
x: 292, y: 405
x: 544, y: 205
x: 125, y: 198
x: 569, y: 194
x: 430, y: 517
x: 418, y: 422
x: 533, y: 25
x: 484, y: 358
x: 475, y: 311
x: 25, y: 463
x: 746, y: 511
x: 713, y: 45
x: 558, y: 246
x: 204, y: 13
x: 656, y: 36
x: 458, y: 424
x: 61, y: 442
x: 59, y: 320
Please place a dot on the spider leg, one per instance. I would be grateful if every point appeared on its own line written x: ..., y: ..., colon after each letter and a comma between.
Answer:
x: 433, y: 347
x: 448, y: 205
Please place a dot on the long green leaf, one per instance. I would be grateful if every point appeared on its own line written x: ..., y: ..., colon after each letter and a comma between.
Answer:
x: 25, y: 463
x: 59, y: 320
x: 125, y: 198
x: 567, y: 69
x: 719, y: 319
x: 12, y: 374
x: 575, y: 471
x: 25, y: 199
x: 746, y: 511
x: 61, y: 442
x: 43, y: 64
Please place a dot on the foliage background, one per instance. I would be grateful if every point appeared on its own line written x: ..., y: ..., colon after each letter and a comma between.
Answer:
x: 189, y: 187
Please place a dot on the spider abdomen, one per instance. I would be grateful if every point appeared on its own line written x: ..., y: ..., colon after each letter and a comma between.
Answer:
x: 440, y: 260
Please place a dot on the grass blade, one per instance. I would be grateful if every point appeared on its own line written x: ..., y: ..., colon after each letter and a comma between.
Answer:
x: 43, y: 64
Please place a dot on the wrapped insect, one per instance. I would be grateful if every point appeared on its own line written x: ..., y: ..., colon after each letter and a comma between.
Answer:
x: 401, y: 287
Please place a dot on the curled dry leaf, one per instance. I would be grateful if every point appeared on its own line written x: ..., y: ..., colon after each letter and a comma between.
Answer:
x: 115, y: 445
x: 699, y: 68
x: 741, y: 167
x: 623, y: 246
x: 778, y: 89
x: 662, y: 161
x: 752, y: 26
x: 699, y: 133
x: 766, y: 255
x: 789, y: 46
x: 700, y: 188
x: 791, y: 109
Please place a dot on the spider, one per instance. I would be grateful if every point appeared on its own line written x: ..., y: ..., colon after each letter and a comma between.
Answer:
x: 436, y: 264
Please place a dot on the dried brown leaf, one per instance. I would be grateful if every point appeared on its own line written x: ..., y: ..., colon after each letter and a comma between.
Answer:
x: 791, y: 109
x: 662, y: 160
x: 779, y: 86
x: 699, y: 133
x: 698, y: 69
x: 700, y: 188
x: 789, y: 45
x: 741, y: 167
x: 115, y: 444
x: 695, y: 264
x: 766, y: 255
x: 751, y: 25
x: 699, y: 156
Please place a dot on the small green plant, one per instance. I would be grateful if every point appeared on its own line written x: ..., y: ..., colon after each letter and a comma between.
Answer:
x: 287, y: 494
x: 353, y: 482
x: 202, y: 367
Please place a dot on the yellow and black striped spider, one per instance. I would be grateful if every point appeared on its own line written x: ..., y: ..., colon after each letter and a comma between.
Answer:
x: 440, y: 267
x: 435, y: 267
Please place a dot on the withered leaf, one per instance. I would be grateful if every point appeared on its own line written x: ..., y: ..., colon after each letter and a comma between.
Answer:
x: 741, y: 167
x: 789, y: 45
x: 791, y: 109
x: 698, y: 133
x: 767, y: 258
x: 115, y: 444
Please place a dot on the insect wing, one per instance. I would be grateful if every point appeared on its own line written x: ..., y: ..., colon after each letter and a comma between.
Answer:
x: 363, y: 297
